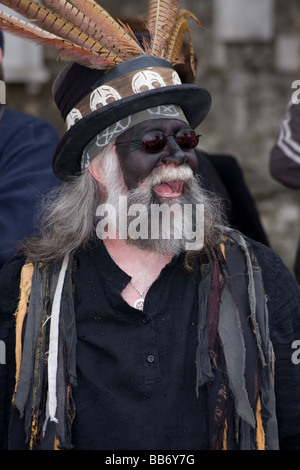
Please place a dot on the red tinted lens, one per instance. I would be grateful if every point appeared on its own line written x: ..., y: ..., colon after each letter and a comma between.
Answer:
x: 154, y: 141
x: 187, y: 139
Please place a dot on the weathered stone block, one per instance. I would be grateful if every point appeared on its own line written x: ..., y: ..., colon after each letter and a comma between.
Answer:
x: 243, y: 20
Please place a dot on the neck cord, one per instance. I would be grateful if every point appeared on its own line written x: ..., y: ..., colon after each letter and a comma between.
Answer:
x: 139, y: 303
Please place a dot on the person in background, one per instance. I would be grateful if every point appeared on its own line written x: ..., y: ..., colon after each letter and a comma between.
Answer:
x: 27, y: 145
x: 285, y: 158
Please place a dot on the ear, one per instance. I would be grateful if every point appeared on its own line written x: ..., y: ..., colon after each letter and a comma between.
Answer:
x: 96, y: 170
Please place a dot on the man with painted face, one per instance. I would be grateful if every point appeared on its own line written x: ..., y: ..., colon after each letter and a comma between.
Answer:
x: 122, y: 333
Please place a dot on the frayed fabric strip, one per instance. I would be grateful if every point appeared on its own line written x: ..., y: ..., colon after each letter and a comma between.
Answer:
x: 54, y: 337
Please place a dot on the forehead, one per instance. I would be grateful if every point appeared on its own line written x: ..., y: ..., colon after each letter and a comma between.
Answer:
x: 165, y: 125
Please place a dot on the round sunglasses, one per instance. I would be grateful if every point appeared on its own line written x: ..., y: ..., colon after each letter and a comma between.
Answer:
x: 156, y: 141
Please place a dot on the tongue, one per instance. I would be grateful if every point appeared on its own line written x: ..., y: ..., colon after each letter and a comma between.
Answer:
x: 172, y: 188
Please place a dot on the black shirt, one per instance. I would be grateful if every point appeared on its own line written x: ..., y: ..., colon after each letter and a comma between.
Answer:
x: 136, y: 387
x: 118, y: 389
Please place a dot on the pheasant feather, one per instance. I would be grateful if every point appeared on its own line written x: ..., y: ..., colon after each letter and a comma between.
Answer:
x: 84, y: 31
x: 162, y: 16
x: 108, y: 25
x: 53, y: 23
x: 72, y: 14
x: 175, y: 43
x: 66, y: 49
x: 94, y: 29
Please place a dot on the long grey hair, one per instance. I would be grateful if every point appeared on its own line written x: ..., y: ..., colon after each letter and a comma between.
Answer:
x: 66, y: 217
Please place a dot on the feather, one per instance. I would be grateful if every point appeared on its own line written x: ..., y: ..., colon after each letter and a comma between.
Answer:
x: 53, y: 23
x: 175, y: 43
x: 72, y: 14
x: 66, y: 49
x: 127, y: 28
x: 108, y: 26
x: 162, y: 15
x: 93, y: 29
x: 100, y: 38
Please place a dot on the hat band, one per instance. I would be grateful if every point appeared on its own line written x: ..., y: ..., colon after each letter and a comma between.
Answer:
x: 98, y: 143
x: 127, y: 85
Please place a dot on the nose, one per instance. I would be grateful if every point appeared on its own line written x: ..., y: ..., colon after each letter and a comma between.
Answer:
x: 173, y: 153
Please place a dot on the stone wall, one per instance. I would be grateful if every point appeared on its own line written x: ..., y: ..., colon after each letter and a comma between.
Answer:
x: 249, y: 55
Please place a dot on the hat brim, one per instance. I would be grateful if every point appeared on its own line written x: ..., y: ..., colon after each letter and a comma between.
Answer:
x: 194, y: 100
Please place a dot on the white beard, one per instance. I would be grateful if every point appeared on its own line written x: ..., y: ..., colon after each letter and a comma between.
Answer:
x: 169, y: 238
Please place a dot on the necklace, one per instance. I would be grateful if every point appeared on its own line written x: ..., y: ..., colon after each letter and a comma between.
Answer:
x: 139, y: 303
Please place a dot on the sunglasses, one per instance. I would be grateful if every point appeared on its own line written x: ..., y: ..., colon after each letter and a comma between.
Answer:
x: 156, y: 141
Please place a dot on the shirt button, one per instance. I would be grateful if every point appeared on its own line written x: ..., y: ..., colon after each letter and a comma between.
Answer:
x: 150, y: 358
x: 146, y: 320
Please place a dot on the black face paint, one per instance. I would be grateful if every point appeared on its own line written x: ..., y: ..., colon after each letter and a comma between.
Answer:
x: 137, y: 162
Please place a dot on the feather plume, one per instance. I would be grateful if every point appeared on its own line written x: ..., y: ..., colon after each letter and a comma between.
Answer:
x: 66, y: 49
x: 107, y: 25
x: 96, y: 30
x: 175, y: 43
x: 72, y: 14
x: 162, y: 16
x: 83, y: 31
x: 53, y: 23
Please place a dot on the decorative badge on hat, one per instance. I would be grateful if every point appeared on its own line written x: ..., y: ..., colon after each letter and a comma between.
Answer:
x: 112, y: 72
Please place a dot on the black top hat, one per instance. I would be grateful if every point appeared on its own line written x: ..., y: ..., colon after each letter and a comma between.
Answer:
x: 90, y: 100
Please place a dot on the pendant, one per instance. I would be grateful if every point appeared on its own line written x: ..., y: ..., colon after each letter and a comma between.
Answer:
x: 139, y: 304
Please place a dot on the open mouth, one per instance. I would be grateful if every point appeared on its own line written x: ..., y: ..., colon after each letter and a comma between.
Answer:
x: 169, y: 189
